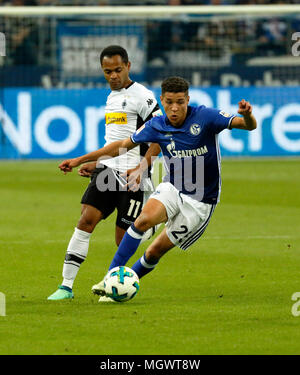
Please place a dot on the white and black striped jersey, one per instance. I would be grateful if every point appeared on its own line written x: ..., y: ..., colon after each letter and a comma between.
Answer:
x: 126, y: 110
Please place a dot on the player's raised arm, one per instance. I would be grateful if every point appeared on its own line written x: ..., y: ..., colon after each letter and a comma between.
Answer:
x: 113, y: 149
x: 248, y: 121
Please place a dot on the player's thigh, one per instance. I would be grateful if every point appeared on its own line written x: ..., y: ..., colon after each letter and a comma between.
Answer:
x: 153, y: 213
x: 90, y: 217
x: 169, y: 197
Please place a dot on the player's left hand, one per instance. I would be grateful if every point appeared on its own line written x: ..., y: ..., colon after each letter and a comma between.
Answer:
x: 86, y: 170
x: 133, y: 177
x: 245, y: 108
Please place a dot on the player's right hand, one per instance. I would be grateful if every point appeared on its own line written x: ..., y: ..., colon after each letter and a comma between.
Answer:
x: 86, y: 170
x: 245, y: 108
x: 67, y: 165
x: 133, y: 177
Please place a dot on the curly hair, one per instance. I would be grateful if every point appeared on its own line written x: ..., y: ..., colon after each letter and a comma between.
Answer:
x: 174, y: 84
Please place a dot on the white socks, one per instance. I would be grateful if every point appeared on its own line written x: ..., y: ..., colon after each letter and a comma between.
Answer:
x: 76, y: 254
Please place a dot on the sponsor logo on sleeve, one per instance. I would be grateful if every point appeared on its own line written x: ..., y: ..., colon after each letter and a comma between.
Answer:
x: 225, y: 114
x: 157, y: 113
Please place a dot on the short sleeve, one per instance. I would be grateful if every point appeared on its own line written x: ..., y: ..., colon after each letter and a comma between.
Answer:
x: 144, y: 134
x: 218, y: 120
x: 147, y: 104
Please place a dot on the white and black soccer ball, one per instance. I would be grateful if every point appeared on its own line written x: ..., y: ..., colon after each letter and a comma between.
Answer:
x: 121, y: 284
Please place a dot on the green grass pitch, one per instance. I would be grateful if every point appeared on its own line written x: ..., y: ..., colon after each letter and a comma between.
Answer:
x: 230, y: 293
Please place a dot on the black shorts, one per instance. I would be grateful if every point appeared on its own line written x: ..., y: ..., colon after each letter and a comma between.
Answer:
x: 106, y: 194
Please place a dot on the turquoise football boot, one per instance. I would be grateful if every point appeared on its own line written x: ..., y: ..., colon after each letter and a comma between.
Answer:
x: 63, y: 292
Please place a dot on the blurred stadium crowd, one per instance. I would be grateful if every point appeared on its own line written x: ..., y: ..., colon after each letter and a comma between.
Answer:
x: 218, y: 42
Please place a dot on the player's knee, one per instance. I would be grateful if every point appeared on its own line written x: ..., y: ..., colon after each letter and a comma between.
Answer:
x: 89, y: 218
x: 144, y: 222
x: 87, y: 223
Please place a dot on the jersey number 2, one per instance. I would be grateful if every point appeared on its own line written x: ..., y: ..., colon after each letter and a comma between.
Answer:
x: 178, y: 233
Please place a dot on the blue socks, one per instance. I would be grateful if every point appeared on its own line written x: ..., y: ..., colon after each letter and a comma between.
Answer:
x: 128, y: 246
x: 143, y: 266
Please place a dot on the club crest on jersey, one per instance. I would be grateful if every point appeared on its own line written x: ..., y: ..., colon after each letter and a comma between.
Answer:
x: 124, y: 104
x: 225, y: 114
x: 195, y: 129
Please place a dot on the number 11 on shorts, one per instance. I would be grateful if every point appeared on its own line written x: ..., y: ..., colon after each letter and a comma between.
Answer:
x: 136, y: 204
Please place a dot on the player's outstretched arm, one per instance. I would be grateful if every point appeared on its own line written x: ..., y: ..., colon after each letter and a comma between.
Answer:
x: 248, y: 121
x: 109, y: 151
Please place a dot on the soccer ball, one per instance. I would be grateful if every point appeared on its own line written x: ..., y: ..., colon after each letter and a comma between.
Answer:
x: 121, y: 284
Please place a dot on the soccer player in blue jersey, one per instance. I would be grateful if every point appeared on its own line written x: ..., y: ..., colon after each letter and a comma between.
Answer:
x: 186, y: 135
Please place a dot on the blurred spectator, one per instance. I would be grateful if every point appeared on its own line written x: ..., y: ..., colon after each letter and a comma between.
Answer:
x: 23, y: 2
x: 31, y: 39
x: 156, y: 44
x: 174, y: 2
x: 22, y: 38
x: 178, y: 37
x: 272, y: 35
x: 210, y: 39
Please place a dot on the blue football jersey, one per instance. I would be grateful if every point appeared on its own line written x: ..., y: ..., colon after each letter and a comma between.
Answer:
x: 191, y: 152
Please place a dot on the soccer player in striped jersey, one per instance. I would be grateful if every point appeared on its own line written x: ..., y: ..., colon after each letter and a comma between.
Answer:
x: 190, y: 191
x: 128, y: 107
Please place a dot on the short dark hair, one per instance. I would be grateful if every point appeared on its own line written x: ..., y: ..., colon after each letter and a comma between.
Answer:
x: 113, y: 51
x: 174, y: 84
